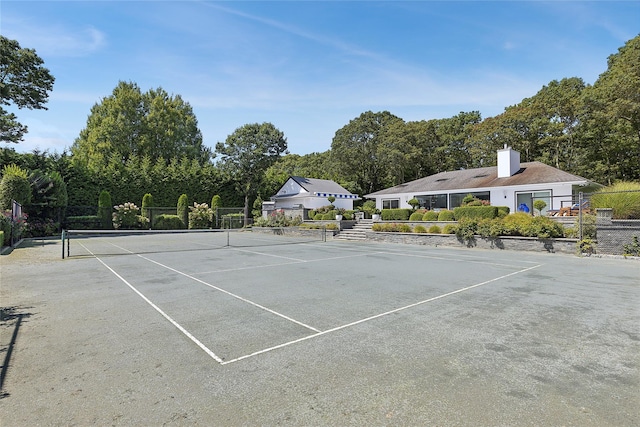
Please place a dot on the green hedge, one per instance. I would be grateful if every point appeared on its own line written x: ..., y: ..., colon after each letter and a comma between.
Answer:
x: 401, y: 214
x: 84, y: 222
x: 168, y: 222
x: 430, y: 216
x: 1, y: 238
x: 445, y: 215
x: 416, y: 216
x: 475, y: 212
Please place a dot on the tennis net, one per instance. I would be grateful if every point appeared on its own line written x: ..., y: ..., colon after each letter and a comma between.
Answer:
x: 123, y: 242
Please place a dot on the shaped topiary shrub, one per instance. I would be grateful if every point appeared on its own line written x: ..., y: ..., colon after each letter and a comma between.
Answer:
x: 430, y: 216
x: 416, y: 216
x: 434, y: 229
x: 400, y: 214
x: 419, y: 229
x: 449, y: 229
x: 168, y: 222
x: 475, y: 212
x: 183, y: 210
x: 147, y: 202
x: 445, y: 215
x: 105, y: 210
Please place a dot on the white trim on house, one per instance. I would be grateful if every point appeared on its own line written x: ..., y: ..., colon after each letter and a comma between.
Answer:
x: 310, y: 193
x: 499, y: 184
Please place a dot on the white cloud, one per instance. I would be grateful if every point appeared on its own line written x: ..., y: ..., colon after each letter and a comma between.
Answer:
x: 54, y: 40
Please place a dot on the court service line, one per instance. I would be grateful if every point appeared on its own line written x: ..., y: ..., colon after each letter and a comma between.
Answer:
x: 357, y: 322
x: 253, y: 267
x: 255, y: 304
x: 159, y: 310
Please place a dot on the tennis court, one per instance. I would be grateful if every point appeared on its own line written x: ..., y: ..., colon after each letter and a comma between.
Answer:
x: 243, y: 329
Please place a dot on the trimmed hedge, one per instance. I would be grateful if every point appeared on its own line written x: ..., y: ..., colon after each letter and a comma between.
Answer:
x: 446, y: 215
x: 416, y: 216
x: 85, y: 222
x: 430, y: 216
x: 400, y: 214
x: 168, y: 222
x: 475, y: 212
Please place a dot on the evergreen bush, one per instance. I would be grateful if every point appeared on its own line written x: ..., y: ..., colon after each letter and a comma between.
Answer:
x: 475, y: 212
x: 168, y: 222
x: 399, y: 214
x: 182, y: 210
x: 430, y: 216
x: 147, y: 202
x: 434, y: 229
x: 416, y: 216
x: 419, y: 229
x: 105, y: 210
x: 446, y: 215
x: 449, y: 229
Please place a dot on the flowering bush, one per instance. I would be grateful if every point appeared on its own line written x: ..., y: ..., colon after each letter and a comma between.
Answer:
x: 41, y: 228
x: 128, y: 216
x: 201, y: 216
x: 19, y: 226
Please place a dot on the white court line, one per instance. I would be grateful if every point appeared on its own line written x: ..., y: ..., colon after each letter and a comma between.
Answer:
x: 255, y: 304
x: 159, y: 310
x: 253, y: 267
x: 348, y: 325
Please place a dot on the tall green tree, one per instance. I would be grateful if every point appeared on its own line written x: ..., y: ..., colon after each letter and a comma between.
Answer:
x: 131, y: 123
x: 247, y: 153
x: 24, y: 82
x: 356, y: 150
x: 612, y: 117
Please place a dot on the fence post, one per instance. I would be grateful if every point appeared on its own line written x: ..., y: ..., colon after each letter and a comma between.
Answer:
x: 580, y: 199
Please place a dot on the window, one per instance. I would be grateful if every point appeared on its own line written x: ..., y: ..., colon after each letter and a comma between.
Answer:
x: 524, y: 201
x: 390, y: 203
x: 456, y: 198
x: 433, y: 201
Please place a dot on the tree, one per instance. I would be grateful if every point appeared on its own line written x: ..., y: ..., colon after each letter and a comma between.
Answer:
x: 131, y: 123
x: 23, y: 82
x: 246, y: 155
x: 14, y: 186
x: 611, y: 129
x: 355, y: 150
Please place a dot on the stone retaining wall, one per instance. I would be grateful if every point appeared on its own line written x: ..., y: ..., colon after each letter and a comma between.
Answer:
x: 505, y: 243
x: 613, y: 234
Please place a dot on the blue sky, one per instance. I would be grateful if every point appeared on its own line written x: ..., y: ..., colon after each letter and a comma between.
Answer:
x: 309, y: 67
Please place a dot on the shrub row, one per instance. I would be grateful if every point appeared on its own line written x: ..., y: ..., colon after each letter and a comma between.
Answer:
x: 519, y: 224
x: 478, y: 212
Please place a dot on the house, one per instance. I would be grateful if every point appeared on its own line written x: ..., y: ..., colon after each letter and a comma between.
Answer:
x: 309, y: 193
x: 510, y: 183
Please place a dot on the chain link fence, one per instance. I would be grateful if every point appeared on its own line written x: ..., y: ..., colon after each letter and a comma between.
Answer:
x: 607, y: 222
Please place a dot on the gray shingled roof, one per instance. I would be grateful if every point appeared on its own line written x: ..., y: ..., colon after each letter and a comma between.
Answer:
x: 529, y: 173
x: 313, y: 185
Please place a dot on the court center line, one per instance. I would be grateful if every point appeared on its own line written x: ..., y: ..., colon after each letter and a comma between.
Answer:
x: 253, y: 267
x: 357, y: 322
x: 159, y: 310
x: 255, y: 304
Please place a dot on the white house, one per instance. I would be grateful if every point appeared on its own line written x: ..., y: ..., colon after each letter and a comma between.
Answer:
x: 511, y: 183
x: 309, y: 193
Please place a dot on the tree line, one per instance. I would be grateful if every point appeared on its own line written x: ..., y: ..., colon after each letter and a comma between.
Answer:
x: 136, y: 143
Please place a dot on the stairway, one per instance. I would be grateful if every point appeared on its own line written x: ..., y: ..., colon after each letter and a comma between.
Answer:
x: 358, y: 232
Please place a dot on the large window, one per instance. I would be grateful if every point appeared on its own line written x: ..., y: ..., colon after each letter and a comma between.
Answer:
x: 390, y: 203
x: 524, y: 201
x: 456, y: 198
x: 433, y: 201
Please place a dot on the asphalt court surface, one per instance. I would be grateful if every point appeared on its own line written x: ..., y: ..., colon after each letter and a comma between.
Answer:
x: 237, y: 302
x: 327, y: 333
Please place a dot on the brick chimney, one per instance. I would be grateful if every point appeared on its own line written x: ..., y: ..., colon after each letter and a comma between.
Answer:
x: 508, y: 162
